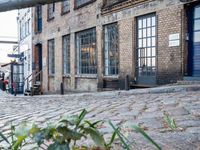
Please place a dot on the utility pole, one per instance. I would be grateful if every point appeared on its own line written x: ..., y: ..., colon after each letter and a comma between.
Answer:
x: 6, y: 5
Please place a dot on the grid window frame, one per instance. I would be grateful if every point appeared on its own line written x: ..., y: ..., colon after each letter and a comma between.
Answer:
x: 66, y: 54
x: 86, y: 52
x: 146, y: 45
x: 111, y: 50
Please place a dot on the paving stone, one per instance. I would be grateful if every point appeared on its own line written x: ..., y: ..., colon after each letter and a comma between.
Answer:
x: 140, y: 107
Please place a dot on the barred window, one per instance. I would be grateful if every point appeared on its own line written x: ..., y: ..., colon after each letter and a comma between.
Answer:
x: 79, y: 3
x: 51, y: 10
x: 65, y: 6
x: 51, y: 57
x: 86, y: 52
x: 66, y: 54
x: 111, y: 52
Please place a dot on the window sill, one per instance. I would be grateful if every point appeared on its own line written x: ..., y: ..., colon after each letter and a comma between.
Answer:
x: 83, y: 5
x: 111, y: 77
x: 51, y: 76
x: 50, y: 19
x: 66, y: 76
x: 64, y: 13
x: 88, y: 76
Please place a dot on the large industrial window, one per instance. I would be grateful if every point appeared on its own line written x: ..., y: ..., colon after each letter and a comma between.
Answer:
x: 51, y: 57
x: 111, y: 52
x: 65, y: 6
x: 79, y: 3
x: 66, y: 54
x: 86, y: 52
x: 51, y: 10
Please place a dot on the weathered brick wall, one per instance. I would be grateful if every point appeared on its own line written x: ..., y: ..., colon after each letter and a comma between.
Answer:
x: 70, y: 23
x: 169, y: 59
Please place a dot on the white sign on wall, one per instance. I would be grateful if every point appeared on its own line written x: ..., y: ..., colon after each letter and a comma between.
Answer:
x: 44, y: 62
x: 174, y: 40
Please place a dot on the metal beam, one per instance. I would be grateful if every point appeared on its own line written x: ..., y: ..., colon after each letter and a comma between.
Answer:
x: 8, y: 42
x: 6, y: 5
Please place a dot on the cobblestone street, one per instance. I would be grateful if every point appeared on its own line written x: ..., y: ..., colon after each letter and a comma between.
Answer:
x: 139, y: 107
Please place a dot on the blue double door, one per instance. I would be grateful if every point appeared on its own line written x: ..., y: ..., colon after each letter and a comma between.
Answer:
x: 194, y: 42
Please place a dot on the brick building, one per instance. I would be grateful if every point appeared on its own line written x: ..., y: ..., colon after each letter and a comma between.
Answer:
x: 90, y: 45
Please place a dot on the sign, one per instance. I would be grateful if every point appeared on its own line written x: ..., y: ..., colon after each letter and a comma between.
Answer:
x: 174, y: 40
x: 15, y: 55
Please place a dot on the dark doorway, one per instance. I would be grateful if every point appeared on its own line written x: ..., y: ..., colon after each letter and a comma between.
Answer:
x: 194, y: 41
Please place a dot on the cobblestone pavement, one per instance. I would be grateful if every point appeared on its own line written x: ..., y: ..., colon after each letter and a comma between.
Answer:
x: 123, y: 108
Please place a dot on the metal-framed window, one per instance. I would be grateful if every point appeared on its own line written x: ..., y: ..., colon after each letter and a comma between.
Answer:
x: 50, y: 11
x: 146, y: 45
x: 80, y: 3
x: 111, y: 50
x: 66, y: 54
x: 51, y: 57
x: 86, y: 52
x: 65, y: 6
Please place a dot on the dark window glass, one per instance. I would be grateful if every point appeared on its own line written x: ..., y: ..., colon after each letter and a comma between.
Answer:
x: 51, y: 57
x: 79, y: 3
x: 51, y: 10
x: 65, y: 6
x: 38, y: 24
x: 66, y: 55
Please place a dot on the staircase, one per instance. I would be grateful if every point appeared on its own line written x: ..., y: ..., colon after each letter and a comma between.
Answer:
x: 36, y: 81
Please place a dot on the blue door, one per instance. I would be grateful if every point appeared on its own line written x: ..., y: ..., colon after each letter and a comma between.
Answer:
x: 194, y: 44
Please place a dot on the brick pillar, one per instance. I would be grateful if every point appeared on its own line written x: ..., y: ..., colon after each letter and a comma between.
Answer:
x: 126, y: 59
x: 99, y: 30
x: 58, y: 63
x: 73, y: 60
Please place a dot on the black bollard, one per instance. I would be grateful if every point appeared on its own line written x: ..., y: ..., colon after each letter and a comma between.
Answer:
x: 127, y: 83
x: 61, y: 89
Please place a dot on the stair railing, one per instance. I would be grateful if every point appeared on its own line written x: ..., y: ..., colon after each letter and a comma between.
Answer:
x: 34, y: 79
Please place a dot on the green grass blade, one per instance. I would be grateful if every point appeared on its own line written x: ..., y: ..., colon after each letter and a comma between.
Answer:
x: 126, y: 146
x: 4, y: 138
x: 141, y: 131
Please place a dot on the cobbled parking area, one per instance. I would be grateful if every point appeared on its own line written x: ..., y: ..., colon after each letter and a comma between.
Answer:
x: 138, y: 107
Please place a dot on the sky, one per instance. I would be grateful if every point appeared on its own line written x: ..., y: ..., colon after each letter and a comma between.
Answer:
x: 8, y: 28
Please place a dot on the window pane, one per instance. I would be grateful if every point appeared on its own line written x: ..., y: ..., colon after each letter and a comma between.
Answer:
x: 197, y: 12
x: 148, y: 32
x: 197, y: 36
x: 153, y: 31
x: 153, y: 41
x: 148, y: 22
x: 153, y: 21
x: 197, y: 24
x: 140, y: 24
x: 153, y: 51
x: 144, y: 33
x: 140, y: 34
x: 144, y: 25
x: 148, y: 42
